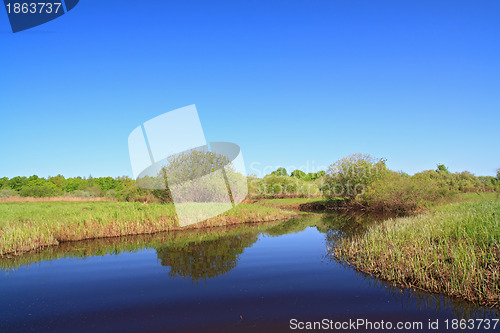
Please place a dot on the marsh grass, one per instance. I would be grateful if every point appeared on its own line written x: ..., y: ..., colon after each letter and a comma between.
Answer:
x: 26, y: 226
x: 452, y: 249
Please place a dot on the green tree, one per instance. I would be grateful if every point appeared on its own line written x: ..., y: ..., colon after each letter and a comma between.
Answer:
x: 320, y: 174
x: 4, y: 183
x: 106, y: 183
x: 314, y: 175
x: 192, y: 176
x: 350, y: 175
x: 192, y: 165
x: 280, y: 172
x: 298, y: 174
x: 76, y: 183
x: 16, y: 183
x: 37, y: 191
x: 36, y: 181
x: 58, y: 181
x: 442, y: 168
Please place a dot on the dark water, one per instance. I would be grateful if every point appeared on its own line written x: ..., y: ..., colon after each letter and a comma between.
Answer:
x: 250, y: 278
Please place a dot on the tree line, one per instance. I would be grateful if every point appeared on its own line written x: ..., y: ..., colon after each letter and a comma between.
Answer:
x: 357, y: 178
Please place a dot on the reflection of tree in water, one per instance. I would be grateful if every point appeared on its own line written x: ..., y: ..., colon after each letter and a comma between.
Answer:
x: 336, y: 223
x: 338, y: 226
x: 205, y: 259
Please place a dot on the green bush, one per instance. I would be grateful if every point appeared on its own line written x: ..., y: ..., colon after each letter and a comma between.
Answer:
x: 79, y: 194
x: 106, y: 183
x: 281, y: 172
x: 58, y: 181
x: 402, y: 193
x: 38, y: 191
x: 311, y: 176
x: 73, y: 184
x: 298, y: 174
x: 351, y: 175
x: 16, y: 183
x: 7, y: 193
x: 132, y: 192
x: 94, y: 190
x: 490, y: 183
x: 396, y: 192
x: 4, y: 183
x: 365, y: 181
x: 442, y: 168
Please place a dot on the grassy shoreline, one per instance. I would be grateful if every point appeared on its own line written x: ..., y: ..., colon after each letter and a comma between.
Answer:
x: 170, y: 239
x: 452, y: 249
x: 27, y: 226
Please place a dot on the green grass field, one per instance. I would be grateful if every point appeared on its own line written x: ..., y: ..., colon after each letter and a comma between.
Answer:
x: 452, y: 249
x: 26, y: 226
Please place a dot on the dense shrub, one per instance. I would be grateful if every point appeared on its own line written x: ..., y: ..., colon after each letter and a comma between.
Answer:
x: 58, y: 181
x: 106, y: 183
x: 38, y: 191
x: 298, y: 174
x: 16, y: 183
x: 73, y: 184
x: 366, y: 182
x: 311, y: 176
x: 6, y: 193
x: 4, y: 183
x: 94, y: 190
x: 490, y: 183
x: 80, y: 194
x: 133, y: 192
x: 281, y: 172
x: 314, y: 175
x: 402, y: 193
x: 350, y: 176
x: 397, y: 192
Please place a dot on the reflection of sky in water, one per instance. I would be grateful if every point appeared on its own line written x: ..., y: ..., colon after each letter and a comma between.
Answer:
x: 275, y: 278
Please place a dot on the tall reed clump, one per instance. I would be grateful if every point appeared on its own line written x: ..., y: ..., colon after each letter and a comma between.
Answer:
x: 453, y: 249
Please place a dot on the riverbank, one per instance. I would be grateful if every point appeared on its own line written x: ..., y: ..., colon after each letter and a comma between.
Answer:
x: 452, y: 249
x: 27, y: 226
x: 174, y: 239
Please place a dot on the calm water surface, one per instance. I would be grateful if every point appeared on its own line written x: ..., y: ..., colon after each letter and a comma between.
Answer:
x: 250, y: 278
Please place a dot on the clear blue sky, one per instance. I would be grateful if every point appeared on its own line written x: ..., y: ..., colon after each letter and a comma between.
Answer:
x: 416, y: 82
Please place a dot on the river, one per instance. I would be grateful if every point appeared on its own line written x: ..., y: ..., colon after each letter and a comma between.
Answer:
x: 247, y: 278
